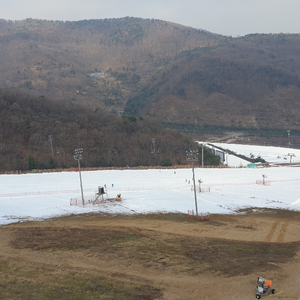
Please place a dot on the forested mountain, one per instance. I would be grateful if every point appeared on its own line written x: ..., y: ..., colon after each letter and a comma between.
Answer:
x: 98, y: 63
x: 111, y: 80
x: 249, y: 82
x: 176, y: 74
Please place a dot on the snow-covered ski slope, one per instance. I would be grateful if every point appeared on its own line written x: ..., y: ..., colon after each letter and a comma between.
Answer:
x: 44, y: 195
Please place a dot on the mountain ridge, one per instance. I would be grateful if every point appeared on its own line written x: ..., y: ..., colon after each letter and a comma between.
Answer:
x: 159, y: 69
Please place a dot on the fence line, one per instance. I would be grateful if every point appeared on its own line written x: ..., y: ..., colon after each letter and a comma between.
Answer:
x: 107, y: 168
x: 161, y: 188
x: 85, y: 190
x: 201, y: 190
x: 263, y: 182
x: 38, y: 193
x: 201, y: 217
x: 92, y: 201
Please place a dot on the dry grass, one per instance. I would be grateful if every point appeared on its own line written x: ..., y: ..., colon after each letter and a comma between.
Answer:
x: 19, y: 281
x: 129, y: 247
x: 158, y: 250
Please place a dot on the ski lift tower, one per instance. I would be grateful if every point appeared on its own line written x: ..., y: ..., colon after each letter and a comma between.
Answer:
x: 78, y: 156
x: 192, y: 155
x: 291, y: 155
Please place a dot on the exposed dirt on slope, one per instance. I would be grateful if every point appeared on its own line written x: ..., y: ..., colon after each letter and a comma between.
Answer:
x: 182, y: 259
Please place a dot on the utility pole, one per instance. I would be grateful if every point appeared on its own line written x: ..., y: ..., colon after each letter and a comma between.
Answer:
x: 78, y: 156
x: 51, y: 140
x: 192, y: 155
x: 202, y: 156
x: 153, y: 149
x: 289, y: 132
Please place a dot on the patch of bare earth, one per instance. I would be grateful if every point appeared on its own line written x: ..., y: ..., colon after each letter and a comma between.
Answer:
x: 151, y: 256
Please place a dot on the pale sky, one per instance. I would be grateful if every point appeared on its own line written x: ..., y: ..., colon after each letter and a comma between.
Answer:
x: 226, y: 17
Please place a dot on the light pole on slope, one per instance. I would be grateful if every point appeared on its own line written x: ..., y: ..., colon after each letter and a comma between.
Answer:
x: 192, y: 155
x: 78, y: 156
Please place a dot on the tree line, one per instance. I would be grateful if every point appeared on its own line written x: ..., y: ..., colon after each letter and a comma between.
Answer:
x: 38, y: 133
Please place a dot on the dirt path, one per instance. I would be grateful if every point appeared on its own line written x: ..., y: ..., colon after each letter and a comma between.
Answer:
x: 149, y: 259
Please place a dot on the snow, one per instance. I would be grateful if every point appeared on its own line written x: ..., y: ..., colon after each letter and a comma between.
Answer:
x: 276, y: 155
x: 39, y: 196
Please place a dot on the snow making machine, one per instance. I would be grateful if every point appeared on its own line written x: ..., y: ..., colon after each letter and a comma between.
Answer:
x: 263, y: 287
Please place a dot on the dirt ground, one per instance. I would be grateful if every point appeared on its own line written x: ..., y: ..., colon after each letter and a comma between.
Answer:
x: 219, y: 258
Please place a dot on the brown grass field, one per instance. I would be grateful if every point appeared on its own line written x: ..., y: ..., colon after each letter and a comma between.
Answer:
x: 159, y: 256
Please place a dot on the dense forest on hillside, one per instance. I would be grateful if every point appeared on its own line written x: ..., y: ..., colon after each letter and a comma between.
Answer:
x: 252, y: 83
x: 97, y: 63
x: 107, y: 140
x: 146, y: 72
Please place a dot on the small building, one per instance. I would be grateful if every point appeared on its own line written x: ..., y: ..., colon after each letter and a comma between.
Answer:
x: 96, y: 74
x: 251, y: 165
x: 228, y: 157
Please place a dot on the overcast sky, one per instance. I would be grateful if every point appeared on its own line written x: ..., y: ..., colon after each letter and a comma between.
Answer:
x: 226, y: 17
